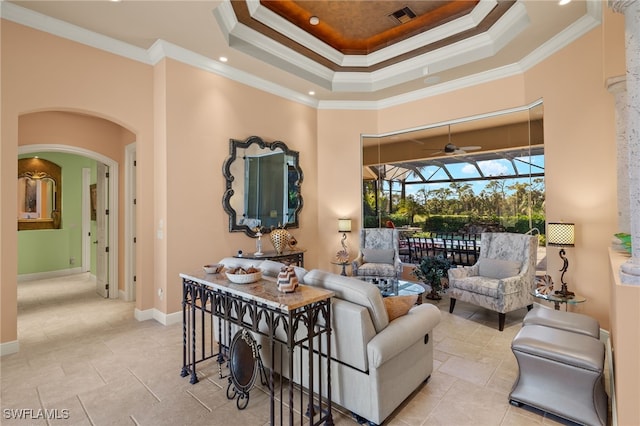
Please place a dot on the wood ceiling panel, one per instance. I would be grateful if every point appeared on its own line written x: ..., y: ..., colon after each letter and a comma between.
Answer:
x: 362, y: 27
x: 443, y: 12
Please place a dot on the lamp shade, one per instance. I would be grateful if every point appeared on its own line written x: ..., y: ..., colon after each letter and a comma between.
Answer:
x: 344, y: 225
x: 561, y: 234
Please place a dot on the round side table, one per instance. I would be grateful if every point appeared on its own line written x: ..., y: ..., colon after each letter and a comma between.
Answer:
x: 558, y: 299
x: 344, y: 266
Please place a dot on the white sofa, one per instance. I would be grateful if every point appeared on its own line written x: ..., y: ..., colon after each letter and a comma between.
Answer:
x: 378, y: 363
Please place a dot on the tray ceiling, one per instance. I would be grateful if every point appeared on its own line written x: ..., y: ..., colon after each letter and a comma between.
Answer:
x: 369, y: 52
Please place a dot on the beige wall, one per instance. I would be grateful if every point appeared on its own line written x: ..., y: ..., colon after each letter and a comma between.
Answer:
x: 339, y: 171
x: 203, y: 112
x: 183, y: 117
x: 45, y: 73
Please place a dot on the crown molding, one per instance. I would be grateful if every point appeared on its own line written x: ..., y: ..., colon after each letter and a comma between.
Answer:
x: 162, y: 49
x: 38, y: 21
x: 293, y: 32
x: 591, y: 20
x: 586, y: 23
x: 478, y: 47
x: 416, y: 95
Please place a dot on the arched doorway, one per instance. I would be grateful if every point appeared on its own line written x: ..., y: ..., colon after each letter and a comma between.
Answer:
x: 112, y: 203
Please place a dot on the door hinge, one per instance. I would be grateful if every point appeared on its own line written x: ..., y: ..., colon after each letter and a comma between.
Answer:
x: 107, y: 175
x: 106, y: 286
x: 135, y: 163
x: 106, y: 212
x: 106, y: 249
x: 135, y: 278
x: 135, y: 201
x: 134, y: 240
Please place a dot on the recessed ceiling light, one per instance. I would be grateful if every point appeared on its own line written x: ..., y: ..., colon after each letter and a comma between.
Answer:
x: 311, y: 93
x: 563, y: 2
x: 314, y: 20
x: 223, y: 59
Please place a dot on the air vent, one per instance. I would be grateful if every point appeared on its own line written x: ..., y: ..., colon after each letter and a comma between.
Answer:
x: 403, y: 15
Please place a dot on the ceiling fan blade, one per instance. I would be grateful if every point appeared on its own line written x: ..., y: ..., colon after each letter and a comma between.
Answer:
x: 470, y: 148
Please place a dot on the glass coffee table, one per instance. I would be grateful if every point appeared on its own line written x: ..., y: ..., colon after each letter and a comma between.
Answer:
x: 403, y: 288
x: 558, y: 299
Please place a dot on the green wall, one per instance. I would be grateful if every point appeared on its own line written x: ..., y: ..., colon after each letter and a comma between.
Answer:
x: 48, y: 250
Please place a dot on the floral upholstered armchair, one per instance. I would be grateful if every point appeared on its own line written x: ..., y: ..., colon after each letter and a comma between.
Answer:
x: 503, y: 278
x: 379, y: 256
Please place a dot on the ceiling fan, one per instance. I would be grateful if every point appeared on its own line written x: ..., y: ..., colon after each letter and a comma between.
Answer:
x: 452, y: 149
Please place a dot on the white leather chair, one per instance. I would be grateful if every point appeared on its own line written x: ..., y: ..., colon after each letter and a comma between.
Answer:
x: 503, y: 278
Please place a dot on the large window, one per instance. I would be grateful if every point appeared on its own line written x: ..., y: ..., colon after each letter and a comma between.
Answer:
x: 487, y: 169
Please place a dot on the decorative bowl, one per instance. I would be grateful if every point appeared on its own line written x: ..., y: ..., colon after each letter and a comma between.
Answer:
x: 214, y: 268
x: 244, y: 278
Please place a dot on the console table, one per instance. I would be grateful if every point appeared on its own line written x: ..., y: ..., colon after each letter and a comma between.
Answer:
x: 303, y: 317
x: 288, y: 256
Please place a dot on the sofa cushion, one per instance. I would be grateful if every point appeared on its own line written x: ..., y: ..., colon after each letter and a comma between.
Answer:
x: 498, y: 268
x: 352, y: 290
x: 398, y: 306
x: 378, y: 255
x: 376, y: 270
x: 271, y: 268
x: 300, y: 272
x: 477, y: 284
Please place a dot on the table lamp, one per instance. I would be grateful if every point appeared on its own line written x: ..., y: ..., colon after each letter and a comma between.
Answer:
x: 344, y: 226
x: 562, y: 235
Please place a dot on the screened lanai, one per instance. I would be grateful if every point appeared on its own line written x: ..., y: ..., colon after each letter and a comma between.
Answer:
x: 482, y: 168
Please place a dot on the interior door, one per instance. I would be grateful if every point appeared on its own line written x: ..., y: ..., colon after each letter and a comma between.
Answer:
x: 102, y: 231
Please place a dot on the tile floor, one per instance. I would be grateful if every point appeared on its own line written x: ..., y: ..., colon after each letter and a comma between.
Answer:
x: 89, y: 362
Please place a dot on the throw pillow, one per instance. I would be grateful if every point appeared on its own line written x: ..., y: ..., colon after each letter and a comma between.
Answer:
x: 378, y: 255
x: 498, y: 268
x: 398, y: 306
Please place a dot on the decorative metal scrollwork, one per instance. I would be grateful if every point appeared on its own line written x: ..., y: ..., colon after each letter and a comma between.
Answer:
x: 244, y: 366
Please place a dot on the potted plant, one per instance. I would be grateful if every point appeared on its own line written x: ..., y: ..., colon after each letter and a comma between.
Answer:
x: 431, y: 271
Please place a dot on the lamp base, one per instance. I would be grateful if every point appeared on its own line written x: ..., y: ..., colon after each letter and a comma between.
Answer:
x: 564, y: 293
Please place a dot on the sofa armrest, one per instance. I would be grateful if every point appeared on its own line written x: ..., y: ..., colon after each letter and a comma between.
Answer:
x: 401, y: 333
x: 352, y: 329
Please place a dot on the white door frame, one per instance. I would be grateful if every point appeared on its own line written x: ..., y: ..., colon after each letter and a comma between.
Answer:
x: 86, y: 220
x: 113, y: 199
x: 129, y: 222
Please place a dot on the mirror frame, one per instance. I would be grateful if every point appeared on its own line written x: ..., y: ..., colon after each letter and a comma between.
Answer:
x: 33, y: 166
x: 234, y: 145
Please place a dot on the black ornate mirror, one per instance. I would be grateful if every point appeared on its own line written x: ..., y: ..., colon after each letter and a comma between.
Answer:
x: 262, y: 186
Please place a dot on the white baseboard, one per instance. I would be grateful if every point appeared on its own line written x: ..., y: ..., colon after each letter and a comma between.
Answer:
x: 49, y: 274
x: 161, y: 317
x: 9, y: 348
x: 145, y: 315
